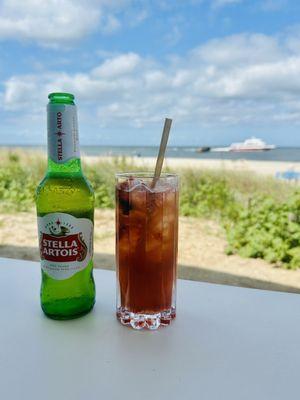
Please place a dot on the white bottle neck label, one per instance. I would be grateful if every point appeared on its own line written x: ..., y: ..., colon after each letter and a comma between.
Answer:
x: 63, y: 143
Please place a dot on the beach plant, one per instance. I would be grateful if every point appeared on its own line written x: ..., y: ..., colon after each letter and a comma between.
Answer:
x: 206, y: 195
x: 260, y: 216
x: 17, y: 184
x: 267, y: 229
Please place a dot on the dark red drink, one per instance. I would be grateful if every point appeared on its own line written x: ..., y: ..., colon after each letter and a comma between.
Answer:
x: 146, y: 249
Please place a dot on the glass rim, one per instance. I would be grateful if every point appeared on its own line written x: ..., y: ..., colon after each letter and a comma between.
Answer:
x: 145, y: 175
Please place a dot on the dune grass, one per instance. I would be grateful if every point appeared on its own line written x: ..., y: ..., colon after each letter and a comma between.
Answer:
x: 260, y: 215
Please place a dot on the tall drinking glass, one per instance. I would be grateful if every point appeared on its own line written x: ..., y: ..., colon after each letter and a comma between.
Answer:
x: 146, y: 249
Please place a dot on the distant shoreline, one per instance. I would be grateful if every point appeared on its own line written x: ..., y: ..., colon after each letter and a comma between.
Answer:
x: 269, y: 168
x: 281, y: 154
x: 34, y: 146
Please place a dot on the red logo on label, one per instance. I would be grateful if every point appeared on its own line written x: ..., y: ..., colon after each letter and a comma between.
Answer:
x: 62, y: 248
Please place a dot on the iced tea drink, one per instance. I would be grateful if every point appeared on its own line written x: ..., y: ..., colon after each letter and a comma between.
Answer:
x: 146, y: 249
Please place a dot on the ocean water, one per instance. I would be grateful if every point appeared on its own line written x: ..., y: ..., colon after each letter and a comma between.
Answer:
x: 291, y: 154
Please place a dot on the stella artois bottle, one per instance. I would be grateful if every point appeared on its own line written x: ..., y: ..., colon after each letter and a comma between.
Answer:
x: 65, y: 209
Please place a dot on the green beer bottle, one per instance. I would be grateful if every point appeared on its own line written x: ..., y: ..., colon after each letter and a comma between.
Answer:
x: 65, y: 209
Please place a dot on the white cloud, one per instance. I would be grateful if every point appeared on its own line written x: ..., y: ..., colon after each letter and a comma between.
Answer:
x: 110, y: 24
x: 56, y: 22
x: 240, y: 50
x: 118, y: 65
x: 246, y: 78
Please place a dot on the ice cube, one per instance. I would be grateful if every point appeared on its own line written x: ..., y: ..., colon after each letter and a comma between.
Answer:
x: 137, y: 200
x: 154, y: 204
x: 136, y: 184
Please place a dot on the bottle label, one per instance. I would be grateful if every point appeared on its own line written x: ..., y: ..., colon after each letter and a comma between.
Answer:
x: 63, y: 143
x: 66, y: 244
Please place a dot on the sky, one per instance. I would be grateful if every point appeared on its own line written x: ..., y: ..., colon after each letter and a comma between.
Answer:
x: 223, y: 70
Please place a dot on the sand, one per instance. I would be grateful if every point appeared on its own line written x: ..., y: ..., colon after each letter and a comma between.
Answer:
x: 201, y: 252
x: 201, y: 246
x: 269, y: 168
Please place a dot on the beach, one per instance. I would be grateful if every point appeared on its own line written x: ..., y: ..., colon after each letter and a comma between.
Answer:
x: 202, y: 255
x: 266, y: 168
x: 262, y: 164
x: 202, y: 237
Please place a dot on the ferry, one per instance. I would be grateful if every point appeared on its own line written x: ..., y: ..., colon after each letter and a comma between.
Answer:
x: 252, y: 144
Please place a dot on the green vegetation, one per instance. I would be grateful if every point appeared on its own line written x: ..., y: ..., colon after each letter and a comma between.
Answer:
x: 19, y: 174
x: 261, y: 216
x: 267, y: 229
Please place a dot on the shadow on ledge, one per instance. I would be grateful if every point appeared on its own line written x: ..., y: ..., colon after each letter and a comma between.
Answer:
x: 194, y: 273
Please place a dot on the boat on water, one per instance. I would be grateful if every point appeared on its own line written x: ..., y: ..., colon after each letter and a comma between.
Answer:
x: 202, y: 149
x: 252, y: 144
